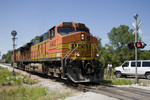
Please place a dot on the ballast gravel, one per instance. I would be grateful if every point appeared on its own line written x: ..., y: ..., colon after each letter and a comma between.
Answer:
x: 90, y: 96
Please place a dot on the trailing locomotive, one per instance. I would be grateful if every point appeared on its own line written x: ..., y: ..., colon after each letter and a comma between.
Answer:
x: 67, y: 51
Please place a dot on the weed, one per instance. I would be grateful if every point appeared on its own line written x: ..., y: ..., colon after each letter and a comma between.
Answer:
x: 143, y: 84
x: 11, y: 88
x: 8, y: 80
x: 23, y: 93
x: 121, y: 82
x: 115, y: 81
x: 55, y: 96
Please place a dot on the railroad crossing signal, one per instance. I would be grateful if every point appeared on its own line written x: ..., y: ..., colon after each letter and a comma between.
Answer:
x: 140, y: 44
x: 137, y: 44
x: 137, y: 26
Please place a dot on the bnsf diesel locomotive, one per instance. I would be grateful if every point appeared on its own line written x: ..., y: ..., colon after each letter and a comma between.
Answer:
x: 67, y: 51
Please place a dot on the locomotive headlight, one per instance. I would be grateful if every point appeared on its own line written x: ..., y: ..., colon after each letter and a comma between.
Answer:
x: 77, y: 54
x: 82, y: 36
x: 97, y: 55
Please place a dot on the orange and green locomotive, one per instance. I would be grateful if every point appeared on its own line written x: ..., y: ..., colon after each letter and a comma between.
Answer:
x: 67, y: 51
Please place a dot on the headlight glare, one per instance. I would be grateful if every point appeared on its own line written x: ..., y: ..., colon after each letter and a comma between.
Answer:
x: 77, y: 54
x: 82, y: 36
x: 97, y: 55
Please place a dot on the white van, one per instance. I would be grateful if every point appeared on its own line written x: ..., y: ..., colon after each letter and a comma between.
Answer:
x: 128, y: 68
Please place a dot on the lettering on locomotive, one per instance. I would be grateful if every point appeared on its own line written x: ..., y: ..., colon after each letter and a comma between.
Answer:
x: 53, y: 43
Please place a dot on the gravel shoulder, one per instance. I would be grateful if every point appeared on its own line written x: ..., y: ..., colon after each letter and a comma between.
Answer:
x: 90, y: 96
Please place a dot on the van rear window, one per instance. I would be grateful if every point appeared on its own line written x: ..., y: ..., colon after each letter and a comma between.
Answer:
x: 146, y: 64
x: 133, y: 64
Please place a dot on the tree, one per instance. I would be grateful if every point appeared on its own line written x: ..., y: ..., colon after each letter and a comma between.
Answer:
x: 105, y: 56
x: 4, y: 56
x: 33, y: 40
x: 101, y: 51
x: 143, y: 55
x: 7, y: 56
x: 119, y: 38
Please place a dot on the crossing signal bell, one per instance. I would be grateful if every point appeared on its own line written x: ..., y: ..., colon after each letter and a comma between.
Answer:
x: 140, y: 44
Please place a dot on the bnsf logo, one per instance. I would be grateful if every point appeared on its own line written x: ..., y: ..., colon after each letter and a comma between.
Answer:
x: 53, y: 43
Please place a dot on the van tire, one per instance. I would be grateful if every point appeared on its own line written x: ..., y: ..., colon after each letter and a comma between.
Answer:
x: 148, y: 76
x: 118, y: 74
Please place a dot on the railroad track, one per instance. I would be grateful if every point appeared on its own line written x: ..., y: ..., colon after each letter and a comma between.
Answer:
x: 121, y: 93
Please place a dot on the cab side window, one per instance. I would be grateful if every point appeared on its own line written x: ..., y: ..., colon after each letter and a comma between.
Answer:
x: 52, y: 33
x: 133, y: 64
x: 126, y: 64
x: 146, y: 64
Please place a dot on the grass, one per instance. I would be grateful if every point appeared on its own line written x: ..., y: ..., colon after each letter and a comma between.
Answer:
x: 11, y: 88
x: 120, y: 81
x: 143, y: 84
x: 6, y: 78
x: 55, y: 96
x: 115, y: 81
x: 22, y: 93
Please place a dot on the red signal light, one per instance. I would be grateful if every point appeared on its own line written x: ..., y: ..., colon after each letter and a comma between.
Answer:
x: 131, y: 45
x: 138, y: 45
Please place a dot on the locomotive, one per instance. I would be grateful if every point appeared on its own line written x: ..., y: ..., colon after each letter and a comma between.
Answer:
x: 67, y: 51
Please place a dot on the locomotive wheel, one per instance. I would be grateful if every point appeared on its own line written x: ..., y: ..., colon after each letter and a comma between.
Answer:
x: 59, y: 76
x: 51, y: 74
x: 45, y: 69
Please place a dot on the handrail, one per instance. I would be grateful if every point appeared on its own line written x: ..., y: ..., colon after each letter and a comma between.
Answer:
x: 72, y: 51
x: 69, y: 53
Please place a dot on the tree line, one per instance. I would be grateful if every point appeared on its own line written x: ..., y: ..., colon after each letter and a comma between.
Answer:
x: 7, y: 56
x: 116, y: 51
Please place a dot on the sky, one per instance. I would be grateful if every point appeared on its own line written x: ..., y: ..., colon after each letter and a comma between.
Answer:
x: 34, y: 17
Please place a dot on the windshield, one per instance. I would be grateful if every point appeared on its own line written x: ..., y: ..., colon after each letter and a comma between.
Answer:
x: 126, y: 64
x: 83, y: 29
x: 69, y: 30
x: 66, y: 29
